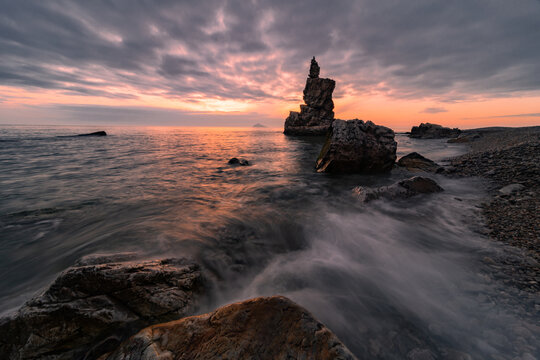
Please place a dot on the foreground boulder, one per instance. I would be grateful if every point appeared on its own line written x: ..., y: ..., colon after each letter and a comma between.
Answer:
x: 91, y: 308
x: 433, y: 131
x: 416, y: 162
x: 401, y: 190
x: 262, y: 328
x: 316, y: 116
x: 355, y: 146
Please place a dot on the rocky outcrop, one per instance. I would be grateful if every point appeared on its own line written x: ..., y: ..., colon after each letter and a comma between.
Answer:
x: 90, y: 308
x: 401, y: 190
x: 97, y: 133
x: 355, y: 146
x: 416, y: 162
x: 316, y: 116
x: 237, y: 161
x: 261, y: 328
x: 433, y: 131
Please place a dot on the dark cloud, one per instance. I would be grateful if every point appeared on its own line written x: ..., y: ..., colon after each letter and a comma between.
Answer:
x: 448, y: 51
x: 434, y: 110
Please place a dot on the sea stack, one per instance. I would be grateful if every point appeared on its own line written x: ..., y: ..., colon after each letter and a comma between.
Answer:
x: 316, y: 115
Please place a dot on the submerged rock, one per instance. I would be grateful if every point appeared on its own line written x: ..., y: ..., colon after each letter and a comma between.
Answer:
x: 316, y: 116
x: 400, y: 190
x: 433, y: 131
x: 236, y: 161
x: 89, y: 309
x: 416, y: 162
x: 261, y: 328
x: 355, y: 146
x: 97, y: 133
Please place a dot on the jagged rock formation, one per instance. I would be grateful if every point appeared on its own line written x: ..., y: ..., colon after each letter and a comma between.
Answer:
x: 262, y: 328
x: 433, y: 131
x: 416, y: 162
x: 316, y: 116
x: 91, y: 307
x: 355, y: 146
x: 401, y: 190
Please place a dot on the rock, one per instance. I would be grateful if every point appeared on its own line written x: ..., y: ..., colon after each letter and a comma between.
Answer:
x: 314, y: 69
x: 97, y: 133
x: 433, y: 131
x: 401, y: 190
x: 510, y: 189
x: 465, y: 138
x: 316, y: 116
x: 90, y: 309
x: 259, y: 125
x: 236, y: 161
x: 416, y: 162
x: 261, y: 328
x: 355, y: 146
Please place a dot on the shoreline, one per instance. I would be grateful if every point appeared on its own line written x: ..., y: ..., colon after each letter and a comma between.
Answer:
x: 508, y: 160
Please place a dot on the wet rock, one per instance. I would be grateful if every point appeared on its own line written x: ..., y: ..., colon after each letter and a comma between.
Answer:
x: 97, y: 133
x: 355, y: 146
x: 465, y: 138
x: 401, y: 190
x: 510, y: 189
x: 90, y: 309
x: 236, y: 161
x: 261, y: 328
x: 433, y: 131
x: 416, y: 162
x: 316, y: 116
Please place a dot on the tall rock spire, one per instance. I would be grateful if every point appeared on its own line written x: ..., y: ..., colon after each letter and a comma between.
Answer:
x: 316, y: 116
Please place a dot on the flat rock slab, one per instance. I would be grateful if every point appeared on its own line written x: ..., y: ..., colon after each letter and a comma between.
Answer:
x: 355, y: 146
x: 91, y: 307
x: 261, y: 328
x: 401, y: 190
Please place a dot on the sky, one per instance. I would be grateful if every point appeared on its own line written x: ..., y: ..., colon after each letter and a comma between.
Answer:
x: 465, y: 63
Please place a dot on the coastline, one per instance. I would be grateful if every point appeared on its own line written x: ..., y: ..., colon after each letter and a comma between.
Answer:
x: 508, y: 159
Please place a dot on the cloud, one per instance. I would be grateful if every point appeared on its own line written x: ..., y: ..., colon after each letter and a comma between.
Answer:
x: 433, y: 110
x: 258, y: 50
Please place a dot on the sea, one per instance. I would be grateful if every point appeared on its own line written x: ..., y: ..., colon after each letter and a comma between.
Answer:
x: 392, y: 279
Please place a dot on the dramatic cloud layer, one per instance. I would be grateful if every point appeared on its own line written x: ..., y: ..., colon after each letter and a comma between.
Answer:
x: 192, y: 51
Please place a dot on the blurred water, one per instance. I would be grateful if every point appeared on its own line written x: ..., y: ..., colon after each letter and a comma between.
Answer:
x: 380, y: 275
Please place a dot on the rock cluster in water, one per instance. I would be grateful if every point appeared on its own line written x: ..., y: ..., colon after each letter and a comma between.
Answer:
x: 317, y: 115
x: 433, y: 131
x: 91, y: 310
x: 261, y: 328
x: 355, y: 146
x: 94, y: 305
x: 401, y: 190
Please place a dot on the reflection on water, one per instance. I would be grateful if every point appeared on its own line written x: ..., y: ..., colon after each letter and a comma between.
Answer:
x: 380, y: 275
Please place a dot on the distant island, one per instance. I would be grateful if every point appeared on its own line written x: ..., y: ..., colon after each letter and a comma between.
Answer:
x: 259, y: 125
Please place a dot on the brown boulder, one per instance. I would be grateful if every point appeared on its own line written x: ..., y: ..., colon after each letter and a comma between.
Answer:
x: 261, y: 328
x: 416, y: 162
x: 91, y: 307
x: 355, y: 146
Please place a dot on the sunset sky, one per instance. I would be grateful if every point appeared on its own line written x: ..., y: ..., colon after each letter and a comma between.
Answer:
x: 459, y: 63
